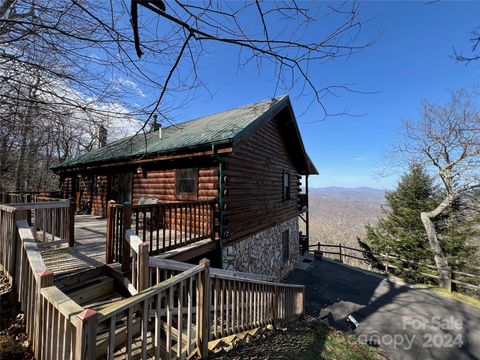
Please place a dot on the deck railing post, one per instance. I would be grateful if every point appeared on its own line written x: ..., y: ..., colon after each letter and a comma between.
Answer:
x: 110, y: 227
x: 71, y: 222
x: 450, y: 274
x: 299, y: 302
x: 143, y: 266
x: 45, y: 280
x: 204, y: 306
x: 275, y: 306
x: 340, y: 252
x: 212, y: 220
x: 86, y: 335
x: 127, y: 224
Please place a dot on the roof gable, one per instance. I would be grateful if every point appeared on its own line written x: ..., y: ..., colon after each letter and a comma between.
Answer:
x: 219, y: 128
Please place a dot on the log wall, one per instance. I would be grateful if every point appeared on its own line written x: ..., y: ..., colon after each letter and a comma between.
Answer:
x: 253, y: 183
x: 160, y: 184
x: 93, y: 193
x: 99, y: 196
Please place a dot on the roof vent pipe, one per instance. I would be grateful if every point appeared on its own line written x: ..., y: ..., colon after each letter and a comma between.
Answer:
x: 100, y: 136
x: 160, y: 131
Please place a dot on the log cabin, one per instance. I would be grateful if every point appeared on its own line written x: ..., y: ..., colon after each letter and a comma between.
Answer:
x: 250, y: 161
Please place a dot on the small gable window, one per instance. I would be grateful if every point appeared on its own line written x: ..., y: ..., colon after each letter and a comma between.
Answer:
x: 286, y: 186
x: 186, y: 182
x: 285, y: 245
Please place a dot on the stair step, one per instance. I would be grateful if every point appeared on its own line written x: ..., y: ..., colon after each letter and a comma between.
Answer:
x: 120, y: 337
x: 228, y: 341
x: 136, y: 350
x: 103, y: 301
x: 90, y: 290
x: 67, y: 282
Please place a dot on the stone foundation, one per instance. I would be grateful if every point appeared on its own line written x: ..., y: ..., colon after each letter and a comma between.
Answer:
x: 262, y: 253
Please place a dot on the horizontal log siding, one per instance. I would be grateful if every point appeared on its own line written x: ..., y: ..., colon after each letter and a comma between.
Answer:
x: 160, y: 184
x: 99, y: 197
x: 66, y: 188
x: 96, y: 202
x: 253, y: 183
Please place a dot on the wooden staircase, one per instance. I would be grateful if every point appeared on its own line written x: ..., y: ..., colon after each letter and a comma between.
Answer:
x: 228, y: 342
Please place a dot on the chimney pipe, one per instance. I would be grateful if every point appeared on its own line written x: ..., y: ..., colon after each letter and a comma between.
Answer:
x: 160, y: 131
x: 100, y: 137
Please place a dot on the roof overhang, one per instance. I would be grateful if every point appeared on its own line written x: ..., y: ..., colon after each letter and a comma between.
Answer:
x: 197, y: 152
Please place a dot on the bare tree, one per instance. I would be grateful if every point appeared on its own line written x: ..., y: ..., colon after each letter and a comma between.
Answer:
x: 446, y: 140
x: 78, y: 42
x: 474, y: 51
x: 69, y: 65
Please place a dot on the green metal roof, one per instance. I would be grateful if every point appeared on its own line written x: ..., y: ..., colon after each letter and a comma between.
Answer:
x: 220, y: 128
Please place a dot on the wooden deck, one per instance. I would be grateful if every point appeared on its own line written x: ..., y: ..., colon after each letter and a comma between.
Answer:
x: 89, y: 250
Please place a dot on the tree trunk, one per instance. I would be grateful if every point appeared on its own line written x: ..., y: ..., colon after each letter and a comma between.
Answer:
x: 27, y: 121
x: 438, y: 254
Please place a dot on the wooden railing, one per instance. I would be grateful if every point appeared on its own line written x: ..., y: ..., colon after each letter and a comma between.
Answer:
x: 24, y: 197
x: 240, y: 301
x: 8, y: 248
x: 52, y: 220
x: 51, y: 317
x: 389, y: 262
x: 174, y: 318
x: 164, y: 226
x: 165, y: 320
x: 137, y: 261
x: 243, y: 304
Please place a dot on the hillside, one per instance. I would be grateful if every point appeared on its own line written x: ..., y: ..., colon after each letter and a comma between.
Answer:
x: 339, y: 215
x: 358, y: 194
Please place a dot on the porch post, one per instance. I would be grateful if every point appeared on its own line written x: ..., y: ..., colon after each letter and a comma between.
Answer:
x: 307, y: 217
x: 71, y: 222
x: 204, y: 307
x: 110, y: 228
x: 127, y: 224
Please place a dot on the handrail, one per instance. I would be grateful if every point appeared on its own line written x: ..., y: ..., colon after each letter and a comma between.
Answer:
x: 225, y: 276
x: 165, y: 226
x: 124, y: 304
x: 138, y: 262
x: 35, y: 206
x: 166, y: 203
x: 8, y: 208
x: 33, y: 254
x: 240, y: 301
x: 64, y: 304
x: 167, y: 315
x: 182, y: 266
x: 53, y: 220
x: 134, y: 241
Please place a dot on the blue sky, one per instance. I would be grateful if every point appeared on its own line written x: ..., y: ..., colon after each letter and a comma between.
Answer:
x: 410, y: 60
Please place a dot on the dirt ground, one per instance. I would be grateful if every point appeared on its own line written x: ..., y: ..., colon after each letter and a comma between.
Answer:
x: 14, y: 344
x: 309, y: 338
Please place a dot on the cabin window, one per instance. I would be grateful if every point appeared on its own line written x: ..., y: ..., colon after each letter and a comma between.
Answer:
x: 285, y: 245
x: 186, y: 181
x: 286, y: 186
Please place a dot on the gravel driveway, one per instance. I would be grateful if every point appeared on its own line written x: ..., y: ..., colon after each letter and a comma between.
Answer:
x: 406, y: 323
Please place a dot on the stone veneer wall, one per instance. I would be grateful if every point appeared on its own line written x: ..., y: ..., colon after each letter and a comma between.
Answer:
x: 262, y: 253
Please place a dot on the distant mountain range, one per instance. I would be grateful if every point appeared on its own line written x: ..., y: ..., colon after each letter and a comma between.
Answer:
x: 339, y: 215
x: 358, y: 194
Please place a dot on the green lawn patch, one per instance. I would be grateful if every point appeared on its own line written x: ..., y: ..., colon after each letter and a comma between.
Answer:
x: 470, y: 300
